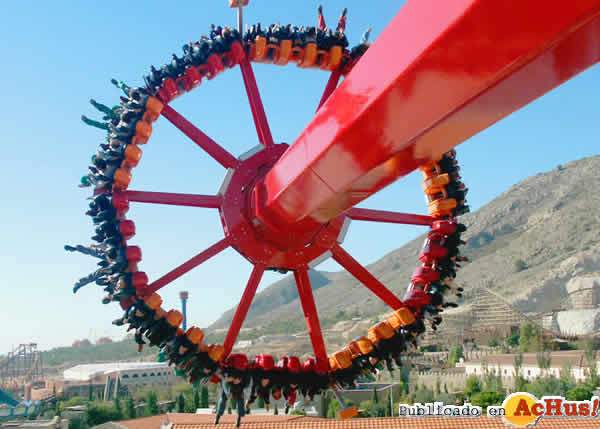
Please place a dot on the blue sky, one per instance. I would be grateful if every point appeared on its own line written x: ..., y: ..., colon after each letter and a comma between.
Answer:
x: 58, y: 54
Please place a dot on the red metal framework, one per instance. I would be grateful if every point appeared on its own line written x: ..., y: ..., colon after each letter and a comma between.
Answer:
x: 417, y: 92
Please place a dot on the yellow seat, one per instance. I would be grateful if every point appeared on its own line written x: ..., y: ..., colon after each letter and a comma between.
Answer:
x: 310, y: 55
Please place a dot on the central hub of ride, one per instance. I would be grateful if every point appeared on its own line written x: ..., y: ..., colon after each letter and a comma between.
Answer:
x: 283, y: 247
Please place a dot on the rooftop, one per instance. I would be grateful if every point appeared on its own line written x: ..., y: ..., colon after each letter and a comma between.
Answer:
x: 87, y: 371
x: 575, y: 358
x: 198, y: 421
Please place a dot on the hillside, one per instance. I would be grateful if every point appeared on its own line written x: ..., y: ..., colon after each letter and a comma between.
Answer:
x: 527, y: 244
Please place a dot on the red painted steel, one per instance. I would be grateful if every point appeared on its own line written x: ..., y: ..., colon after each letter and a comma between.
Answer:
x: 312, y: 318
x: 268, y: 245
x: 332, y: 83
x: 211, y: 147
x: 243, y: 307
x: 189, y: 265
x: 389, y: 217
x: 366, y: 278
x: 173, y: 199
x: 256, y: 105
x: 439, y: 73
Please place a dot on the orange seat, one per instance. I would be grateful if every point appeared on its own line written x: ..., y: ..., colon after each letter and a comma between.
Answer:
x: 335, y: 57
x: 379, y: 332
x: 361, y: 347
x: 174, y: 318
x: 310, y: 55
x: 195, y: 335
x: 121, y: 179
x: 216, y: 352
x: 342, y: 358
x: 436, y: 181
x: 260, y: 48
x: 348, y: 413
x: 401, y: 317
x: 283, y: 53
x: 143, y: 131
x: 154, y: 106
x: 132, y: 155
x: 322, y: 59
x: 440, y: 208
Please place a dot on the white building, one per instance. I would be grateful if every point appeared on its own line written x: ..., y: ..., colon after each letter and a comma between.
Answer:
x: 504, y: 365
x: 107, y: 378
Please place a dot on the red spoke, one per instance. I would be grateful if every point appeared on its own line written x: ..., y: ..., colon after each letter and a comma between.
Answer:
x: 389, y: 217
x: 189, y: 265
x: 172, y: 199
x: 211, y: 147
x: 332, y: 84
x: 312, y: 318
x: 365, y: 277
x: 256, y: 105
x: 242, y: 309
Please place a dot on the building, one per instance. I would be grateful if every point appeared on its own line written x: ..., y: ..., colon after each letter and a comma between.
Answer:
x: 504, y: 365
x: 108, y: 378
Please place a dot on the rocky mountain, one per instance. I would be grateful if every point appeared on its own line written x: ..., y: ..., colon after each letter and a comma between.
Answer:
x: 526, y: 245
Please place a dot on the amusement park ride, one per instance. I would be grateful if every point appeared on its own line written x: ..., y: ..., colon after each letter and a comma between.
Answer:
x: 438, y: 74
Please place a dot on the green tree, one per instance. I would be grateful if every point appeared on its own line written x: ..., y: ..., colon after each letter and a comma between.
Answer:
x: 375, y: 397
x: 424, y: 395
x: 196, y: 399
x: 513, y: 339
x: 180, y: 403
x: 333, y: 409
x: 484, y: 399
x: 530, y: 338
x: 545, y: 386
x: 520, y: 381
x: 589, y: 348
x: 204, y: 397
x: 472, y: 385
x: 130, y: 407
x: 456, y: 353
x: 117, y: 407
x: 98, y: 413
x: 152, y: 408
x: 581, y: 392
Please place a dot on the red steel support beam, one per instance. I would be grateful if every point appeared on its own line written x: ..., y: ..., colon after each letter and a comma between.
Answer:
x: 366, y: 278
x: 332, y: 83
x: 173, y: 199
x: 211, y: 147
x: 188, y: 265
x: 312, y: 318
x: 242, y: 309
x: 440, y: 72
x: 256, y: 105
x: 389, y: 217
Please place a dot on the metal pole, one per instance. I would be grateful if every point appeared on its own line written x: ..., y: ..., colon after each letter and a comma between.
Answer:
x: 240, y: 19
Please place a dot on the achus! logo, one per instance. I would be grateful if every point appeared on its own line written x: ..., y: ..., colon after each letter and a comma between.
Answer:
x: 522, y: 409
